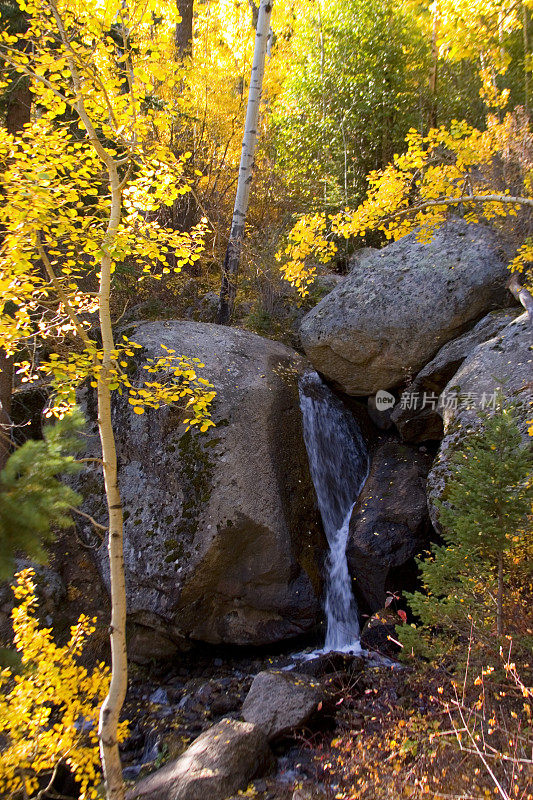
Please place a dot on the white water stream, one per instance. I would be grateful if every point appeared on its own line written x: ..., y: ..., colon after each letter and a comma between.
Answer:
x: 338, y: 460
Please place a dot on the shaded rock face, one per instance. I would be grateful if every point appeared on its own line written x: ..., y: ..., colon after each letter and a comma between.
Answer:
x: 423, y: 424
x: 503, y: 363
x: 390, y: 522
x: 221, y: 761
x: 281, y: 702
x: 222, y: 542
x: 399, y: 305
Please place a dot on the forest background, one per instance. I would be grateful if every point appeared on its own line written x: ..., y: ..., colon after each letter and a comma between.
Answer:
x: 412, y: 102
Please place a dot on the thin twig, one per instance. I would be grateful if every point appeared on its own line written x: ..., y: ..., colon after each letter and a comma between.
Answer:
x: 88, y: 516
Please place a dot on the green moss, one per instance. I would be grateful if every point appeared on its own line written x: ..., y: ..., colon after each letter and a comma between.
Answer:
x: 196, y: 478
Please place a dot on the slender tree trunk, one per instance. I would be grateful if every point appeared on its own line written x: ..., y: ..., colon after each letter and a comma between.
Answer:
x: 183, y: 34
x: 433, y: 78
x: 112, y: 705
x: 6, y: 391
x: 499, y: 601
x: 323, y: 98
x: 17, y: 115
x: 525, y: 31
x: 233, y: 253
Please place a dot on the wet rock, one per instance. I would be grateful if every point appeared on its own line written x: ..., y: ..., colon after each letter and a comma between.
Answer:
x: 160, y: 697
x: 390, y: 522
x: 398, y: 306
x: 379, y: 634
x: 330, y: 663
x: 281, y: 702
x: 221, y: 761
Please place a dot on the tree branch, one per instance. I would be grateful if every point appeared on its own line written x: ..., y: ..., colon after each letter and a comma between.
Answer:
x: 61, y: 293
x: 88, y: 516
x: 468, y: 198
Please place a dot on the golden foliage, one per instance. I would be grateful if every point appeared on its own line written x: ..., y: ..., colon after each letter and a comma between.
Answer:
x: 56, y: 214
x: 447, y: 169
x: 49, y: 709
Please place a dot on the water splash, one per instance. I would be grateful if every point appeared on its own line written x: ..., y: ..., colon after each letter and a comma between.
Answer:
x: 338, y: 460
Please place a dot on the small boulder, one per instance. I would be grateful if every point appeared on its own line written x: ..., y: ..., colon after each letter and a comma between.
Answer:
x: 399, y: 305
x: 330, y: 663
x: 281, y: 702
x: 221, y: 761
x: 390, y: 522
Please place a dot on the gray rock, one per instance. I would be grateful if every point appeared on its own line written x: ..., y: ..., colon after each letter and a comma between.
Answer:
x: 221, y: 761
x: 502, y: 364
x: 389, y: 523
x: 359, y: 256
x: 206, y: 307
x: 281, y: 702
x: 221, y: 537
x: 398, y: 306
x: 309, y: 791
x: 424, y: 423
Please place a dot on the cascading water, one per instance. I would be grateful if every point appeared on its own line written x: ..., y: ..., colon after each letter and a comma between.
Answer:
x: 338, y: 460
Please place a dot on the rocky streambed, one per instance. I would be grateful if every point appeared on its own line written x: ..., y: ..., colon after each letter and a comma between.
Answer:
x: 243, y: 719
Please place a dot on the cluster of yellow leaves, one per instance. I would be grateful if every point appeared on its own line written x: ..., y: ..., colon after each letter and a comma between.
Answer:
x: 49, y: 709
x: 307, y: 245
x: 178, y: 381
x: 414, y: 192
x: 56, y: 208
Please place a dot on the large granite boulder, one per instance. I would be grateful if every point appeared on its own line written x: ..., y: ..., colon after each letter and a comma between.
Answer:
x: 419, y: 421
x: 389, y: 523
x: 282, y: 702
x: 503, y: 364
x: 221, y: 761
x: 398, y: 306
x: 221, y: 534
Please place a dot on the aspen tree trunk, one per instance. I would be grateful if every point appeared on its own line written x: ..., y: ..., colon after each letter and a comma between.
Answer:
x: 434, y: 68
x: 525, y: 32
x: 233, y: 253
x: 183, y: 34
x: 112, y: 705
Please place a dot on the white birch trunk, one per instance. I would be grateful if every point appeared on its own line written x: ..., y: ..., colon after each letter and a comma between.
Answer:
x: 112, y: 705
x: 233, y: 252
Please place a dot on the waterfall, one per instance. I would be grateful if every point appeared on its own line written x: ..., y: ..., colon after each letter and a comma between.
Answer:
x: 338, y: 460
